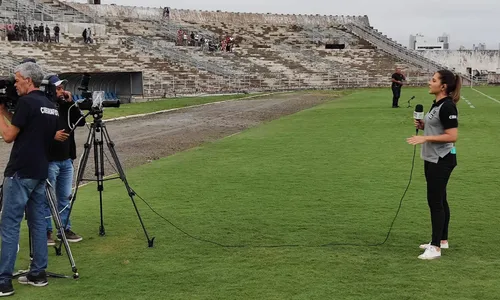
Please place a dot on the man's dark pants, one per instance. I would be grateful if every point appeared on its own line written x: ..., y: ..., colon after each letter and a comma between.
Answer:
x: 396, y: 93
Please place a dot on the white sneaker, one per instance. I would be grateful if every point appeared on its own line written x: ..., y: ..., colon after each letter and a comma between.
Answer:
x: 443, y: 245
x: 430, y: 252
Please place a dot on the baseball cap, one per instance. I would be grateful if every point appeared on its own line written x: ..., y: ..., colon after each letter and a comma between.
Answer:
x: 28, y: 59
x: 56, y: 81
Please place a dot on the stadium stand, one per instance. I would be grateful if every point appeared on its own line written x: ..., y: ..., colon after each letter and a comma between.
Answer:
x: 138, y: 50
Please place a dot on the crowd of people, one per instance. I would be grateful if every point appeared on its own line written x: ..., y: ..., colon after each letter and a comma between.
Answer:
x: 35, y: 33
x: 87, y: 36
x: 39, y: 33
x: 212, y: 44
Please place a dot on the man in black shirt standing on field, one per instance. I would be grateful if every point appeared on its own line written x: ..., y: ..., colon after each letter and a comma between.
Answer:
x: 32, y: 129
x: 61, y: 155
x: 397, y: 82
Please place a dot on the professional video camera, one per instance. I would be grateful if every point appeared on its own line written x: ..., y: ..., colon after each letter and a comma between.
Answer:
x: 8, y: 93
x: 93, y: 101
x: 49, y: 89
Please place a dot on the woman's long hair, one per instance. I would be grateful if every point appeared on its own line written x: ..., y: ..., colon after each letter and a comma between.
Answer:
x: 453, y: 84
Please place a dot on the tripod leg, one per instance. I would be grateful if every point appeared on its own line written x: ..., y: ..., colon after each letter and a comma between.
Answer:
x: 79, y: 177
x: 49, y: 191
x: 99, y: 172
x: 131, y: 193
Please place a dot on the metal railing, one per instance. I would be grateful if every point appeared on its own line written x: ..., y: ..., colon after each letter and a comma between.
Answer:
x: 384, y: 43
x: 270, y: 82
x: 27, y: 11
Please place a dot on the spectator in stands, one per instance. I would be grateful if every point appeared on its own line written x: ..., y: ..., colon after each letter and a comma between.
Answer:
x: 179, y: 37
x: 210, y: 45
x: 197, y: 39
x: 191, y: 41
x: 223, y: 45
x: 231, y: 44
x: 36, y: 33
x: 30, y: 33
x: 228, y: 41
x: 89, y: 36
x: 24, y: 35
x: 48, y: 39
x: 56, y: 33
x: 61, y: 155
x: 397, y: 82
x: 166, y: 12
x: 17, y: 32
x: 41, y: 37
x: 202, y: 43
x: 11, y: 35
x: 84, y: 35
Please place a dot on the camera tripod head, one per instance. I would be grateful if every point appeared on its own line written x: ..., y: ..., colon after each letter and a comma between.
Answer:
x: 96, y: 113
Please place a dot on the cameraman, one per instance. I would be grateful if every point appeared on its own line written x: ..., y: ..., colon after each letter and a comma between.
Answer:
x: 61, y: 155
x: 32, y: 129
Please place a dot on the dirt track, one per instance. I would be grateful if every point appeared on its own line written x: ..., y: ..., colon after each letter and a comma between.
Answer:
x: 139, y: 140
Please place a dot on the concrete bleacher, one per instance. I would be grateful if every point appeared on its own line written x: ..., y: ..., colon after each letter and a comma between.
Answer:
x: 7, y: 64
x: 248, y: 25
x: 70, y: 58
x: 292, y: 49
x: 271, y: 51
x: 46, y: 10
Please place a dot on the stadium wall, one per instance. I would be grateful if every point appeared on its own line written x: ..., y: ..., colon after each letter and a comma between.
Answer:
x: 462, y: 59
x: 198, y: 16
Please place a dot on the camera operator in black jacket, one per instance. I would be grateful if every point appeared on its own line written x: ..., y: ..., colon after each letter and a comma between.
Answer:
x: 61, y: 155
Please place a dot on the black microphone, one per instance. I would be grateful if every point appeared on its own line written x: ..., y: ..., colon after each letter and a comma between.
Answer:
x: 418, y: 114
x: 412, y: 97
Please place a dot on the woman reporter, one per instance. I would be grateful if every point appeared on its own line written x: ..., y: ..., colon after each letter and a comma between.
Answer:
x: 440, y: 127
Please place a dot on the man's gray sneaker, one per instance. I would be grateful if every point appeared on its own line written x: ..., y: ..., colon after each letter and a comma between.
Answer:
x: 34, y: 280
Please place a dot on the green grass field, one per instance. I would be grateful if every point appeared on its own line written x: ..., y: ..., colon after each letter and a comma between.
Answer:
x: 333, y: 173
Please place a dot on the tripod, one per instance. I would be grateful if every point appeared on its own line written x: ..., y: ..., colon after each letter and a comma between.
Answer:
x: 51, y: 199
x: 98, y: 134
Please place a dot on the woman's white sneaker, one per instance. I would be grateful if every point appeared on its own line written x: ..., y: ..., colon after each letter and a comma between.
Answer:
x: 431, y: 252
x: 443, y: 246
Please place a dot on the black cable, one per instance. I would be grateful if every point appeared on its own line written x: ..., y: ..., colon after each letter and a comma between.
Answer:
x: 292, y: 245
x: 395, y: 217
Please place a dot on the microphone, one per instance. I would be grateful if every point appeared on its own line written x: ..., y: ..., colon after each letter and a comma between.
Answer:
x: 412, y: 97
x: 418, y: 114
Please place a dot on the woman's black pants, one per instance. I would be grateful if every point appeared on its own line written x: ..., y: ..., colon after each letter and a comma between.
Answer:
x: 437, y: 176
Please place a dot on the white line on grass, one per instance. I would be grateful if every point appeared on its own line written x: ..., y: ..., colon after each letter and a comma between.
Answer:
x: 191, y: 106
x: 179, y: 108
x: 486, y: 95
x: 468, y: 102
x: 174, y: 109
